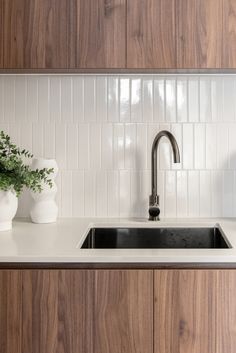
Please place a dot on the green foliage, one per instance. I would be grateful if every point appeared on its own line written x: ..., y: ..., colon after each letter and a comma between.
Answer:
x: 14, y: 173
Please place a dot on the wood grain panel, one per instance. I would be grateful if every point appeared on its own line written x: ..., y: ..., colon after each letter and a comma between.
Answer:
x: 1, y: 34
x: 151, y: 41
x: 123, y: 316
x: 229, y: 34
x: 36, y: 33
x: 10, y: 311
x: 226, y: 312
x: 57, y: 311
x: 199, y: 34
x: 100, y: 34
x: 185, y: 311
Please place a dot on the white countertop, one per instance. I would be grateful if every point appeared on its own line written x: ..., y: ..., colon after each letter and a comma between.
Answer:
x: 60, y: 243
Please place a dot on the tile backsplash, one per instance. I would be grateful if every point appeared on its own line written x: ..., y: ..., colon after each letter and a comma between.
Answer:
x: 100, y: 130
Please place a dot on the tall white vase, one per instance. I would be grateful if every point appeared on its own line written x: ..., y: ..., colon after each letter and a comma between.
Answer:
x: 44, y: 209
x: 8, y: 208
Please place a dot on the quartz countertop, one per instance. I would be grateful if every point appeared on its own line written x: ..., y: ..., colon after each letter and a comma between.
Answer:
x: 60, y: 243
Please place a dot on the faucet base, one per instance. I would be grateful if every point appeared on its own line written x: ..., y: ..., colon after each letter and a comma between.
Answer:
x: 155, y: 219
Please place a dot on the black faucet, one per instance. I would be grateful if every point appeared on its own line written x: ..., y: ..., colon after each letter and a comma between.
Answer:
x: 154, y: 209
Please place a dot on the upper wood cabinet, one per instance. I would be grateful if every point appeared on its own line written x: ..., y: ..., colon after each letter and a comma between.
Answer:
x: 151, y: 34
x: 36, y: 33
x: 199, y: 34
x: 229, y: 34
x: 1, y: 33
x: 99, y: 34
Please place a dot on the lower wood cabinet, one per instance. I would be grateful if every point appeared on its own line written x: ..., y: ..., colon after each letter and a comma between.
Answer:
x: 118, y: 311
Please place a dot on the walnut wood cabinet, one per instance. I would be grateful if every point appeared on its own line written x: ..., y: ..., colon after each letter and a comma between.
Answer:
x: 103, y: 311
x: 117, y: 35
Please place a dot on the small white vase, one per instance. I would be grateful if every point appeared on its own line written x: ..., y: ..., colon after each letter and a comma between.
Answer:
x: 8, y: 208
x: 44, y: 209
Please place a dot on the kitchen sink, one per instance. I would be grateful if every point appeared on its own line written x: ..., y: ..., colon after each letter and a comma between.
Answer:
x: 156, y: 238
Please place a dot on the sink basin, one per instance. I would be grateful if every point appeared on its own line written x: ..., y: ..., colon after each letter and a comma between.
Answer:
x: 156, y: 238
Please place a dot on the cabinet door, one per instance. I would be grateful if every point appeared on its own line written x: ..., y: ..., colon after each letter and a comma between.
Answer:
x: 36, y: 33
x: 229, y: 34
x: 123, y: 317
x: 10, y: 311
x: 151, y: 41
x: 100, y: 34
x: 199, y: 34
x: 195, y: 311
x: 57, y: 311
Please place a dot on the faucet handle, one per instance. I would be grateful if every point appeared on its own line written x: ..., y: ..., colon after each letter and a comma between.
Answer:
x: 154, y: 209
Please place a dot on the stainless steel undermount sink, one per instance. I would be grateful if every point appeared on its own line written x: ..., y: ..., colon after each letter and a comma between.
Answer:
x: 156, y: 238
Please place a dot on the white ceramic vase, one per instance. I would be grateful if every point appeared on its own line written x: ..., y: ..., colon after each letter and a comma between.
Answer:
x: 8, y: 208
x: 44, y: 209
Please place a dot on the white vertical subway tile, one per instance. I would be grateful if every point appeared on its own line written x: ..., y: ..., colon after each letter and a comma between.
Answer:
x: 147, y: 95
x: 66, y: 99
x: 199, y: 146
x: 216, y: 195
x: 176, y: 130
x: 160, y: 190
x: 118, y: 146
x: 14, y: 131
x: 159, y: 99
x: 170, y: 100
x: 24, y: 204
x: 145, y: 191
x: 72, y: 146
x: 49, y: 140
x: 84, y: 146
x: 130, y: 146
x: 113, y: 99
x: 229, y: 93
x: 182, y: 99
x: 232, y: 146
x: 20, y: 98
x: 32, y: 108
x: 205, y: 191
x: 90, y: 99
x: 217, y: 98
x: 188, y: 156
x: 43, y: 99
x: 78, y: 98
x: 37, y: 139
x: 222, y: 147
x: 78, y: 193
x: 193, y: 99
x: 182, y: 194
x: 107, y: 146
x: 113, y: 193
x: 61, y: 145
x: 125, y: 189
x: 1, y: 99
x: 101, y: 98
x: 90, y: 193
x: 205, y: 99
x: 55, y: 98
x: 141, y: 147
x: 193, y: 193
x: 101, y: 193
x: 170, y: 194
x: 211, y: 145
x: 228, y: 194
x: 95, y: 146
x: 135, y: 194
x: 66, y: 193
x: 9, y: 99
x: 124, y: 99
x: 26, y: 136
x: 59, y: 192
x: 136, y: 100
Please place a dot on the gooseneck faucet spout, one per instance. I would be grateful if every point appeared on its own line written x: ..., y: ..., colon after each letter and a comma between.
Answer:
x: 154, y: 209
